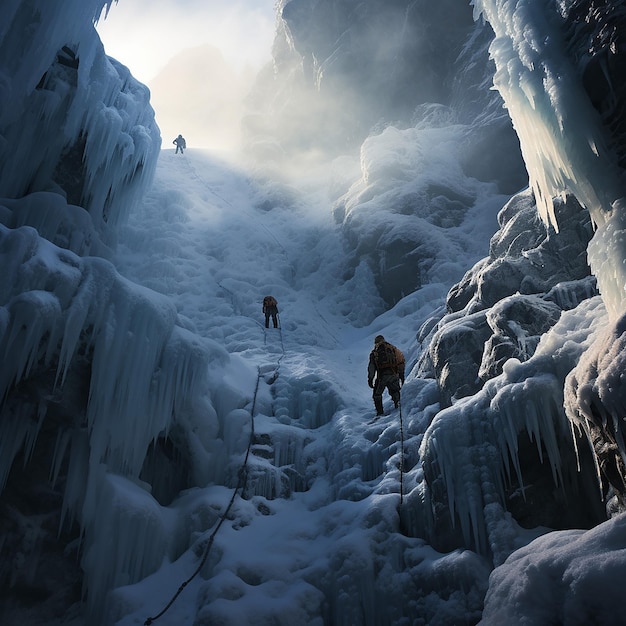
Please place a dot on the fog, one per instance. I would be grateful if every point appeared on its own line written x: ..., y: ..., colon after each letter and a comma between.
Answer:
x: 197, y: 58
x: 382, y: 109
x: 201, y: 96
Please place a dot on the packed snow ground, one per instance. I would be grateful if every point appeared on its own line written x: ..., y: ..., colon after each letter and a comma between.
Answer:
x: 216, y: 240
x: 317, y: 538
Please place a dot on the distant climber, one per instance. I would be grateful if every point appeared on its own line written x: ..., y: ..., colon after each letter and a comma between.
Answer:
x: 180, y: 143
x: 386, y: 365
x: 270, y: 308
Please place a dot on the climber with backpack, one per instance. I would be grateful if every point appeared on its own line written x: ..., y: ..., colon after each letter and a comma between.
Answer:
x: 270, y: 308
x: 180, y: 144
x: 386, y: 366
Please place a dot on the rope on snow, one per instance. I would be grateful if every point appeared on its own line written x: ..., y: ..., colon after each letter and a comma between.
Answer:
x: 401, y: 456
x: 241, y: 484
x: 243, y: 472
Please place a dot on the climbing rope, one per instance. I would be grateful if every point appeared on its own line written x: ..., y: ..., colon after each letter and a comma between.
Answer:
x: 280, y: 334
x: 241, y: 484
x: 401, y: 456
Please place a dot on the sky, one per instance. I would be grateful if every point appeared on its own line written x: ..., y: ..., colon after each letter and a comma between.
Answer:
x: 198, y: 57
x: 146, y: 34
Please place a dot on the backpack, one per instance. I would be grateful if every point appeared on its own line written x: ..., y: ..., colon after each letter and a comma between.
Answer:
x: 386, y: 357
x: 269, y: 301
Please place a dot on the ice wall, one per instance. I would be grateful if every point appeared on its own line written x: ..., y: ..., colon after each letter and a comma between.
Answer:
x: 91, y: 121
x: 475, y: 456
x: 97, y: 372
x: 556, y: 70
x: 106, y: 364
x: 499, y: 454
x: 564, y: 143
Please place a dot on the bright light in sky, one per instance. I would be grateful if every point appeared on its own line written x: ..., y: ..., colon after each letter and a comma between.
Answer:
x: 145, y: 34
x: 174, y: 46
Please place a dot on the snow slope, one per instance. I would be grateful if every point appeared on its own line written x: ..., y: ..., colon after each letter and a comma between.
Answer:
x: 320, y: 514
x: 155, y: 417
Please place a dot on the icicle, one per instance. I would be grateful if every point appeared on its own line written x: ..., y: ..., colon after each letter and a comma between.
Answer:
x: 101, y: 104
x: 17, y: 429
x: 60, y: 451
x: 560, y: 132
x: 133, y: 522
x: 470, y: 445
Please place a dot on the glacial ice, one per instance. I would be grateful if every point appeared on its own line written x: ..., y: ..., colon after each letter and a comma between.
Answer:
x: 145, y: 373
x: 563, y: 143
x: 472, y: 446
x: 92, y: 118
x: 122, y: 372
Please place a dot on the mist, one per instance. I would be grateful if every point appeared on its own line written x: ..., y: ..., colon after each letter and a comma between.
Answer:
x: 375, y: 165
x: 199, y: 60
x: 201, y: 96
x: 373, y: 106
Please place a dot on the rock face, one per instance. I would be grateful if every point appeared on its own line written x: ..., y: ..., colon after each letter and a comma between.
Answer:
x: 516, y: 298
x: 342, y: 70
x: 377, y: 60
x: 407, y: 83
x: 502, y: 306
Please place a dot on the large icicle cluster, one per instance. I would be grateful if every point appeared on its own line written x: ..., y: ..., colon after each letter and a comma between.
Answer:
x: 481, y: 473
x: 91, y: 121
x: 562, y: 140
x: 69, y: 324
x: 564, y: 144
x: 97, y: 372
x: 501, y: 449
x: 558, y: 72
x: 474, y: 451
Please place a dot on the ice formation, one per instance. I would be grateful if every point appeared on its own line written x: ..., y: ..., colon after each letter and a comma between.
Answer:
x: 91, y: 119
x: 78, y: 148
x: 149, y: 408
x: 70, y: 324
x: 562, y: 140
x: 564, y: 143
x: 471, y: 451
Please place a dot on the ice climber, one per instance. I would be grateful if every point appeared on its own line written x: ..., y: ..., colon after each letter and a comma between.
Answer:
x: 180, y: 143
x: 270, y: 308
x: 386, y: 365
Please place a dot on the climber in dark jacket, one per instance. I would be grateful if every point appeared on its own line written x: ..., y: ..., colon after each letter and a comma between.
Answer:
x: 270, y: 308
x: 180, y: 143
x: 385, y: 371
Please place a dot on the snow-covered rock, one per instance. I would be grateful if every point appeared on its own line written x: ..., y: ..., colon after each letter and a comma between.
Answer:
x: 141, y: 413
